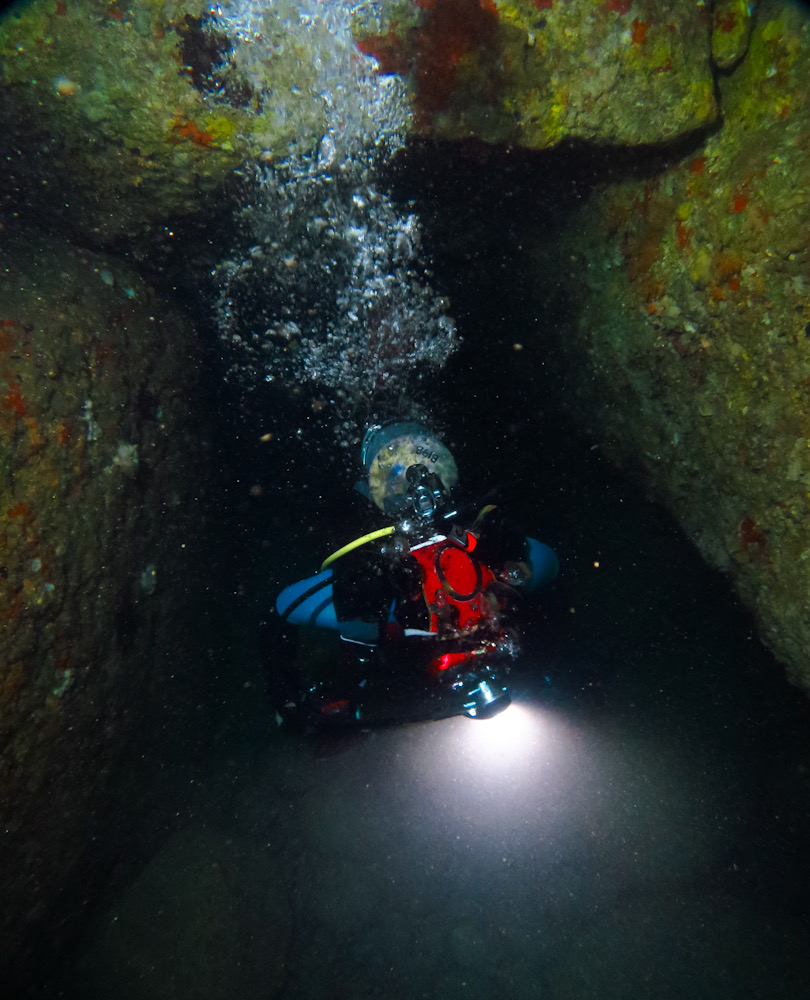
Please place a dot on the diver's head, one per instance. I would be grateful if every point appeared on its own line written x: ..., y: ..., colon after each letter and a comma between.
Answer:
x: 390, y: 451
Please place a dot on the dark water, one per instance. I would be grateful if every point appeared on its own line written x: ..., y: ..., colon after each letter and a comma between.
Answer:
x: 638, y: 829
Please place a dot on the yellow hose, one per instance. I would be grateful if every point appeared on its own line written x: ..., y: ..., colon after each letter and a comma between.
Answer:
x: 370, y: 537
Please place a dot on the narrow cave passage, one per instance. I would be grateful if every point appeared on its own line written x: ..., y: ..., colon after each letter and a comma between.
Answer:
x: 183, y: 392
x: 642, y: 837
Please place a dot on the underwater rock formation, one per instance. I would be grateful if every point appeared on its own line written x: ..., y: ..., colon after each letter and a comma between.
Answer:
x: 125, y: 117
x: 691, y: 305
x: 100, y: 472
x: 538, y: 72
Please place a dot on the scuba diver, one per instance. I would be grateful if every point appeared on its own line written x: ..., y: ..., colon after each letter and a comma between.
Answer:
x: 425, y: 607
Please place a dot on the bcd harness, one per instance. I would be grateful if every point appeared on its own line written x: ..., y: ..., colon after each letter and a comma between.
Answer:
x: 455, y: 588
x: 453, y: 582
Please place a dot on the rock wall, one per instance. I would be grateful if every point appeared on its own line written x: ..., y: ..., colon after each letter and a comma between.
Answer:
x: 688, y: 340
x: 101, y: 464
x: 123, y: 118
x: 536, y: 73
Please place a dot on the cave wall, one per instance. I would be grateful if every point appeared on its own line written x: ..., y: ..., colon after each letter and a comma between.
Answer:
x: 120, y: 126
x: 102, y: 509
x: 687, y: 346
x: 535, y: 73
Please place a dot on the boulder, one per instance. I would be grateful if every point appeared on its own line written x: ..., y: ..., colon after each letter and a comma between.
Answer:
x: 123, y: 121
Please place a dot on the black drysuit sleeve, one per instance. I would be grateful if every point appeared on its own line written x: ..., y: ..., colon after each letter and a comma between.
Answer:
x: 500, y: 540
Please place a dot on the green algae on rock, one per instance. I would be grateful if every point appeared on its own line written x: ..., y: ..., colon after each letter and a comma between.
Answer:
x: 731, y: 31
x: 125, y: 118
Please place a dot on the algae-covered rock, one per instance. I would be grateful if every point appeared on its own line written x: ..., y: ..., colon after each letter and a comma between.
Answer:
x: 693, y: 314
x: 100, y: 462
x: 731, y: 31
x: 130, y: 115
x: 539, y: 72
x: 124, y: 118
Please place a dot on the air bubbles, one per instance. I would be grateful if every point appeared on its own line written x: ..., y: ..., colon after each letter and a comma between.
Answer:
x: 331, y: 269
x: 327, y: 152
